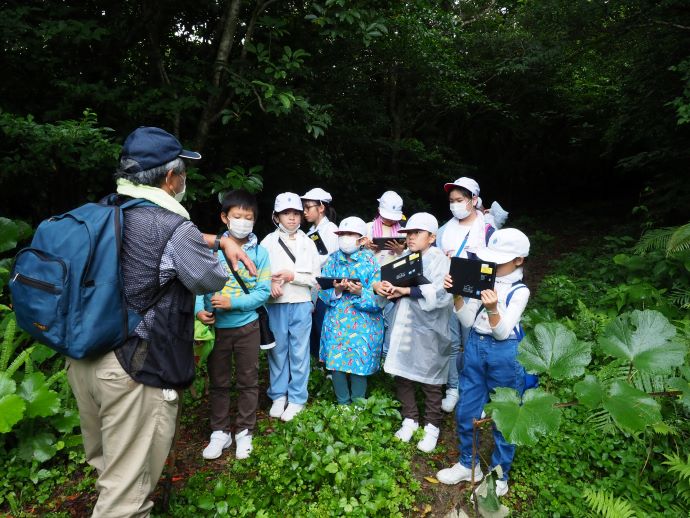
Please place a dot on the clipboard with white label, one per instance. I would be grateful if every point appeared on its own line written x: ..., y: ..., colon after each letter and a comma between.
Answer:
x: 471, y: 276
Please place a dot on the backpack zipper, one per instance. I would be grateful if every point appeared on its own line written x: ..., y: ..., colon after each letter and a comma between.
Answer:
x: 41, y: 285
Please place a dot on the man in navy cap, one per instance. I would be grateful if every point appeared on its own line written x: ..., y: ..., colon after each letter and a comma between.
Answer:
x: 128, y: 398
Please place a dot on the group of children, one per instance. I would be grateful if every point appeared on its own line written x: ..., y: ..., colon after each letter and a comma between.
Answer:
x: 356, y: 318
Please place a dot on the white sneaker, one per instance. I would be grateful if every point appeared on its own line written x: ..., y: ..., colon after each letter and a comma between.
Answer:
x: 458, y: 473
x: 448, y: 403
x: 244, y: 444
x: 428, y: 442
x: 278, y: 407
x: 291, y: 411
x: 501, y: 487
x: 407, y: 429
x: 219, y: 441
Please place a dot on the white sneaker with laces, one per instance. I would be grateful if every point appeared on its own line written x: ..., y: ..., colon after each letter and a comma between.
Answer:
x: 244, y: 446
x: 448, y: 403
x: 219, y: 441
x: 458, y: 473
x: 291, y: 411
x: 428, y: 442
x: 501, y: 487
x: 278, y: 407
x: 407, y: 429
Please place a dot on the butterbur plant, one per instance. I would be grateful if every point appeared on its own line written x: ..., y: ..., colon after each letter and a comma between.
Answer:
x: 643, y: 344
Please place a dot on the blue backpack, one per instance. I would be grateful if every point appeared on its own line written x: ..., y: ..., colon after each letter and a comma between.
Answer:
x: 531, y: 380
x: 66, y: 287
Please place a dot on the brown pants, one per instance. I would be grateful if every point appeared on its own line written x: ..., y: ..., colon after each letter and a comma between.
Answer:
x: 242, y: 343
x: 404, y: 390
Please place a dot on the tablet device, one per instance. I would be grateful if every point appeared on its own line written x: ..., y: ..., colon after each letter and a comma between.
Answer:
x: 327, y: 282
x: 320, y: 245
x: 381, y: 241
x: 405, y: 272
x: 471, y: 276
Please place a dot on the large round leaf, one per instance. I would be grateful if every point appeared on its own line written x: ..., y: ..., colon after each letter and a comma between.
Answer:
x: 9, y: 233
x: 556, y: 351
x: 11, y: 411
x: 40, y: 400
x: 40, y: 446
x: 631, y: 409
x: 644, y: 338
x: 522, y: 424
x: 589, y: 391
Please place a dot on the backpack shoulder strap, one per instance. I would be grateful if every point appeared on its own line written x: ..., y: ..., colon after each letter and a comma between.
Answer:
x: 519, y: 332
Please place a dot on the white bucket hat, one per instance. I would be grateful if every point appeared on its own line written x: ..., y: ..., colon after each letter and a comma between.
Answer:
x: 390, y: 206
x: 421, y: 221
x: 504, y: 246
x: 352, y: 224
x: 464, y: 182
x: 287, y: 200
x: 499, y: 213
x: 317, y: 194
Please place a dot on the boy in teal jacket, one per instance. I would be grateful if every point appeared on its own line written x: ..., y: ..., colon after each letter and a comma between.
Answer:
x: 233, y: 313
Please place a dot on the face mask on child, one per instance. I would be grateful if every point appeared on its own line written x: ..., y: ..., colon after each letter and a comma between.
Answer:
x: 240, y: 227
x: 348, y: 244
x: 285, y: 229
x: 459, y: 209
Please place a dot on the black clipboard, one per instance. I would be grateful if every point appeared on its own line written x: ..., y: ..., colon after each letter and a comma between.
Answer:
x: 405, y: 272
x: 381, y: 241
x: 327, y: 282
x: 471, y: 276
x: 320, y: 245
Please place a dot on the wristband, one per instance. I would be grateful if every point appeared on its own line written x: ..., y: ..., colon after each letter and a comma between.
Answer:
x: 216, y: 244
x: 492, y: 312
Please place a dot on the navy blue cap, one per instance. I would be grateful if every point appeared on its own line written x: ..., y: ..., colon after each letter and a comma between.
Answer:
x: 152, y: 147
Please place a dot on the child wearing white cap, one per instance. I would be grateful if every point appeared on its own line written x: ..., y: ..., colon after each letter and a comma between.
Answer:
x: 295, y: 264
x: 462, y: 236
x: 320, y: 213
x: 490, y: 358
x: 386, y: 224
x: 419, y: 335
x: 352, y: 333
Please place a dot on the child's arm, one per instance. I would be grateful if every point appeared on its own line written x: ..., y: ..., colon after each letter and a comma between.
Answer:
x: 503, y: 321
x: 206, y: 317
x: 467, y: 313
x: 308, y: 278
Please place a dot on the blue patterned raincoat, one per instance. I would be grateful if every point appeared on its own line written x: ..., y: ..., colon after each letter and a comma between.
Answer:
x: 352, y: 335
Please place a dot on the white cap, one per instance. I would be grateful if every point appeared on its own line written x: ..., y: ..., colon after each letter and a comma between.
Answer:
x: 421, y: 221
x: 499, y: 213
x: 464, y: 182
x: 353, y: 224
x: 390, y: 206
x: 287, y: 200
x: 317, y: 194
x: 504, y: 246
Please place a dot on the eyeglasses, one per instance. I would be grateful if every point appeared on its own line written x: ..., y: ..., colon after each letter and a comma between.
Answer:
x: 307, y: 207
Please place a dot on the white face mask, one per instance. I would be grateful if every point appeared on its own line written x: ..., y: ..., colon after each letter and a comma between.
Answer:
x: 460, y: 210
x: 240, y: 227
x: 348, y: 244
x: 179, y: 196
x: 286, y: 230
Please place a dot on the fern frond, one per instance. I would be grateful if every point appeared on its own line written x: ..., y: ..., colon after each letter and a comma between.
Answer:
x: 647, y: 382
x: 615, y: 370
x: 677, y: 465
x: 59, y: 374
x: 680, y: 297
x: 8, y: 342
x: 602, y: 421
x: 679, y: 240
x: 654, y: 239
x: 607, y: 505
x: 18, y: 361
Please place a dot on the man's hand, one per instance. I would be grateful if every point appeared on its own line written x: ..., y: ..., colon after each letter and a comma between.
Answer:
x: 206, y: 317
x: 221, y: 302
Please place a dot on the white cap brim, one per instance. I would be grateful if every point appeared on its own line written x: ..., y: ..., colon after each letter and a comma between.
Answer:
x: 492, y: 256
x: 390, y: 214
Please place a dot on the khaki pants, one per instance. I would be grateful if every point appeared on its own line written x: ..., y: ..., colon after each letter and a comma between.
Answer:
x: 127, y: 430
